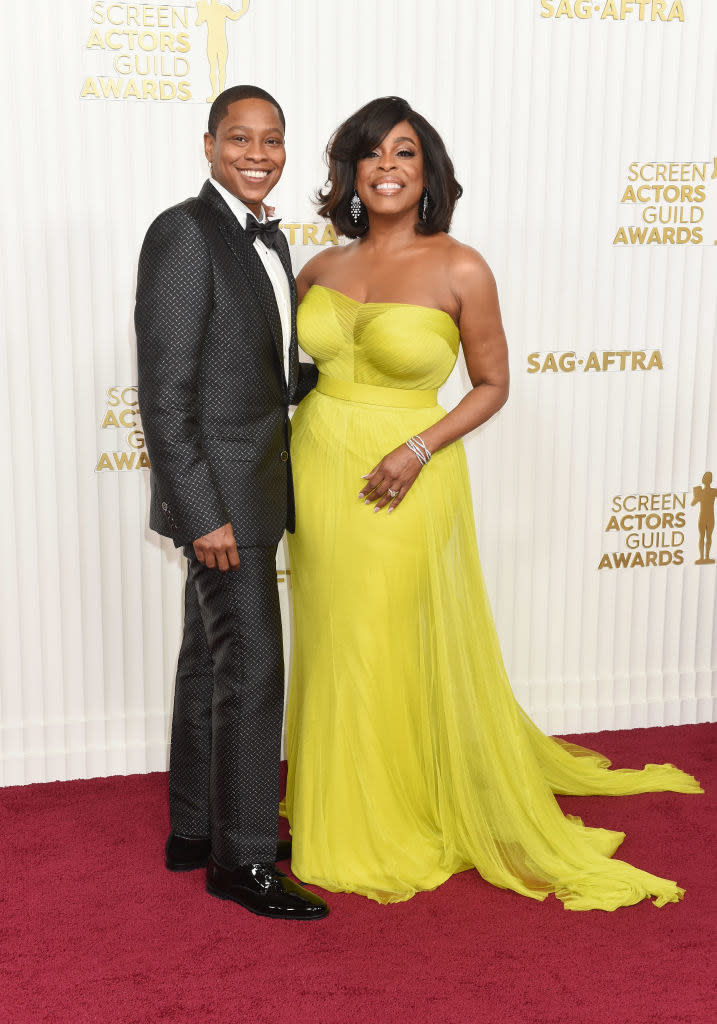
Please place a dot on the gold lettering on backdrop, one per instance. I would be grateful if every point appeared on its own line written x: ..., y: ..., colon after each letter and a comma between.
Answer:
x: 330, y: 235
x: 163, y: 15
x: 652, y: 528
x: 670, y: 198
x: 619, y: 361
x: 110, y: 420
x: 122, y: 413
x: 614, y: 10
x: 308, y: 234
x: 704, y: 496
x: 122, y: 460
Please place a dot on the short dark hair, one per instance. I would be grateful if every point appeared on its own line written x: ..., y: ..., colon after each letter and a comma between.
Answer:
x: 221, y: 104
x: 356, y: 137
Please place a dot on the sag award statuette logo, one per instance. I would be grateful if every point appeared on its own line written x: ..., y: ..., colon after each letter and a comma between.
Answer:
x: 705, y: 497
x: 215, y: 15
x: 158, y: 51
x: 122, y: 414
x: 652, y: 528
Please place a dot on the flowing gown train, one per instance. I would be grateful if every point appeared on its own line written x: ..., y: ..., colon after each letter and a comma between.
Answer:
x: 409, y: 757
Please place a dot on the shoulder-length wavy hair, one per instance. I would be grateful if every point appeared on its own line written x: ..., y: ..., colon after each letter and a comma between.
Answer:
x: 356, y: 137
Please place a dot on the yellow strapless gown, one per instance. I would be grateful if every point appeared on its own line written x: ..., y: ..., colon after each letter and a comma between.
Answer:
x: 409, y: 757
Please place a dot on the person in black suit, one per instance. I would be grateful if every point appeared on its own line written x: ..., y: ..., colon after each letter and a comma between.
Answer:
x: 218, y: 368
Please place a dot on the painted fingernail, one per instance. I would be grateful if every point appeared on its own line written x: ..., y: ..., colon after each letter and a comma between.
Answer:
x: 361, y: 495
x: 368, y: 501
x: 377, y: 509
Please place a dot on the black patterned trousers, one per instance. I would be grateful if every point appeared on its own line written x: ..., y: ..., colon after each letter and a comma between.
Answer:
x: 228, y: 708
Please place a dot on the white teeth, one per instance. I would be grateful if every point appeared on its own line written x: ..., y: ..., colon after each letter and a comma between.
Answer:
x: 254, y: 174
x: 388, y: 187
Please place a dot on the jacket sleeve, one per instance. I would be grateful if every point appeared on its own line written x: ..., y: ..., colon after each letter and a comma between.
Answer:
x: 308, y: 376
x: 172, y: 313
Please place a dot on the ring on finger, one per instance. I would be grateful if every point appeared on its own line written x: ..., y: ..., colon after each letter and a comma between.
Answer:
x: 393, y: 494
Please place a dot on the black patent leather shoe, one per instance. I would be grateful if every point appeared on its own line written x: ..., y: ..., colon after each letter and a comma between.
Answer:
x: 264, y: 890
x: 182, y: 854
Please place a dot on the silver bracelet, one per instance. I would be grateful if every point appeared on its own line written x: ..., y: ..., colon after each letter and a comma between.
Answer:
x: 419, y: 449
x: 416, y: 451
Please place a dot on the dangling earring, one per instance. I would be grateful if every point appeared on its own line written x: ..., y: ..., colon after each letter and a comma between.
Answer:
x: 424, y: 204
x: 356, y: 207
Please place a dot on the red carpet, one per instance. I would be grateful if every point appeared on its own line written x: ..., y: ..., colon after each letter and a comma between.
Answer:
x: 94, y: 929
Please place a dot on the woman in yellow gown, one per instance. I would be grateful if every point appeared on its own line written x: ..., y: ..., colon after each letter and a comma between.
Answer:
x: 409, y: 757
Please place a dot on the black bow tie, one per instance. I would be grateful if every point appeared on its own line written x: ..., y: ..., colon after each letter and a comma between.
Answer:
x: 267, y: 232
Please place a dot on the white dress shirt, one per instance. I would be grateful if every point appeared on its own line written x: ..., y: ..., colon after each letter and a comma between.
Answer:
x: 273, y: 266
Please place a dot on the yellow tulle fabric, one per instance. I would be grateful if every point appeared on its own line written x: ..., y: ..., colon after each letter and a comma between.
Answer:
x: 409, y: 757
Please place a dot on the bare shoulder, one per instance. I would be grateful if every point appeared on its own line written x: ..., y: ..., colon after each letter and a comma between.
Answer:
x: 312, y: 269
x: 468, y: 269
x: 472, y: 284
x: 321, y: 264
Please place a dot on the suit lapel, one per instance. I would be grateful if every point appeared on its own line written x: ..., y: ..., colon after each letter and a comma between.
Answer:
x: 253, y: 268
x: 284, y: 255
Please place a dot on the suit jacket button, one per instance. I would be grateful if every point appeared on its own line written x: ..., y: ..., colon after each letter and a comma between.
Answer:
x: 284, y: 456
x: 165, y: 506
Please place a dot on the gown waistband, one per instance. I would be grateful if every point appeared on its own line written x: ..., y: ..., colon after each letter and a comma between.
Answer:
x: 371, y: 394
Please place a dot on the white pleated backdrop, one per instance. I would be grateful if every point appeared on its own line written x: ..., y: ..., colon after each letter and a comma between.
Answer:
x: 544, y: 107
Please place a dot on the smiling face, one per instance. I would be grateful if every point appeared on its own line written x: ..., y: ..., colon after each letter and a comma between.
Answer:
x: 390, y: 179
x: 247, y: 154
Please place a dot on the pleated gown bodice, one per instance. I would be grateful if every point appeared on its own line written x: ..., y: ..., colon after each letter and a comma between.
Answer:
x: 385, y: 344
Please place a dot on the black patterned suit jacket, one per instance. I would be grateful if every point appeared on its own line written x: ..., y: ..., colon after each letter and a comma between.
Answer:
x: 212, y: 391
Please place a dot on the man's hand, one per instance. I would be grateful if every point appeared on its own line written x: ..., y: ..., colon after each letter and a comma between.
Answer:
x: 218, y: 549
